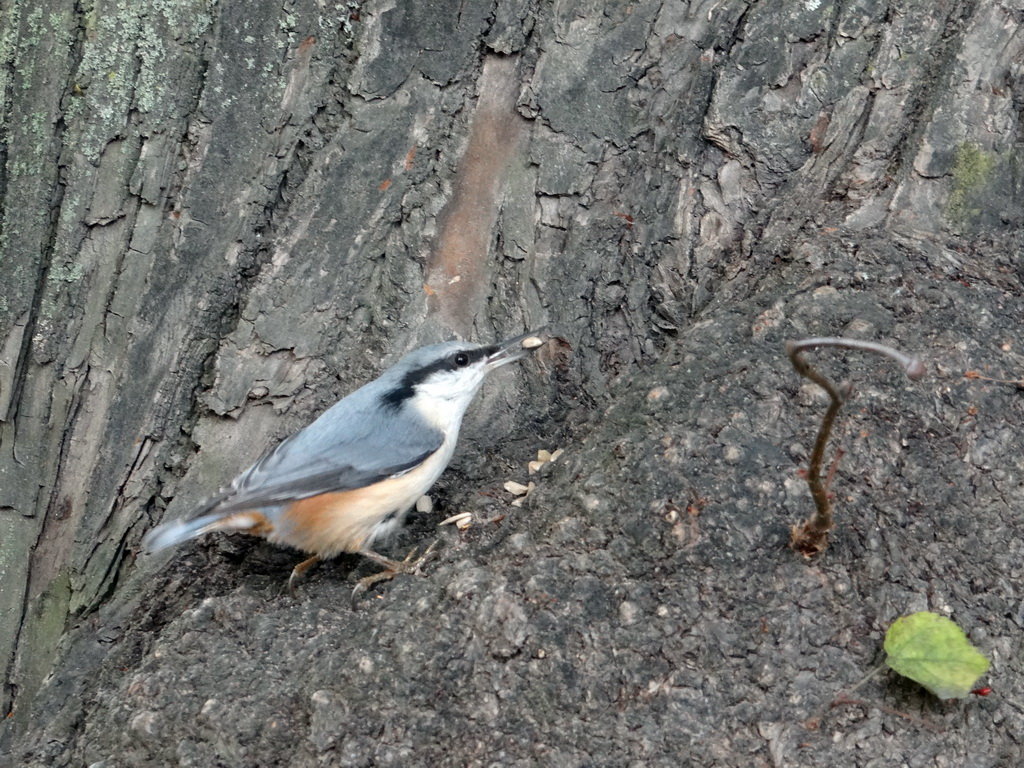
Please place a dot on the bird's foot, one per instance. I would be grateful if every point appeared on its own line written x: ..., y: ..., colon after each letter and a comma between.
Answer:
x: 411, y: 564
x: 299, y: 571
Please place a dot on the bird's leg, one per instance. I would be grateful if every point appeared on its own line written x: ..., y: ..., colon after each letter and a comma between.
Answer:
x: 391, y: 568
x: 299, y: 571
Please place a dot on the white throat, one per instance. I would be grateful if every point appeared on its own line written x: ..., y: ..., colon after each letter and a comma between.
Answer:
x: 443, y: 413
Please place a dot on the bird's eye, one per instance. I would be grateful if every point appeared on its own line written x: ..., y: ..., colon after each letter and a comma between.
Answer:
x: 461, y: 359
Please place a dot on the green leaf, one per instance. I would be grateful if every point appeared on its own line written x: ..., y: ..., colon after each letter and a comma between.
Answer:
x: 933, y: 651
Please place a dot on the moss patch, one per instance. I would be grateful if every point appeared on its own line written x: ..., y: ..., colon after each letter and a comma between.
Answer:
x: 971, y: 170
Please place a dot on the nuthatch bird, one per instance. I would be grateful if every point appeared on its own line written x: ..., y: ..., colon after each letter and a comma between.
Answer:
x: 349, y: 478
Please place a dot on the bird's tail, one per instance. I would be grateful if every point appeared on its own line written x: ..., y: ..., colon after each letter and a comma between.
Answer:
x: 176, y: 531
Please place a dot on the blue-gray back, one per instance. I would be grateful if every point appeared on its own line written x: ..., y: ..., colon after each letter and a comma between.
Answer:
x: 354, y: 443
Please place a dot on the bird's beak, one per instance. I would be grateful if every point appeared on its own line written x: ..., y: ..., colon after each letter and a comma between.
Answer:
x: 513, y: 349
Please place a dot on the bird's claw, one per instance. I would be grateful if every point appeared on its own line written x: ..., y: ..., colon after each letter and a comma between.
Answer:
x: 299, y: 571
x: 411, y: 564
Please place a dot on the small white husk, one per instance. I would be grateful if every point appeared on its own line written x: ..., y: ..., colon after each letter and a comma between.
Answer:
x: 529, y: 489
x: 462, y: 520
x: 517, y: 489
x: 543, y: 457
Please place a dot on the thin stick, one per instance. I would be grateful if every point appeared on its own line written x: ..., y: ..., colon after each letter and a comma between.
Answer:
x: 811, y: 537
x: 833, y: 467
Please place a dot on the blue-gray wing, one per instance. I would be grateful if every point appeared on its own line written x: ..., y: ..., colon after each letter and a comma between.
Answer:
x: 337, y: 452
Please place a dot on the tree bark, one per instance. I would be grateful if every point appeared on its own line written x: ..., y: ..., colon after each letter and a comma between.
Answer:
x: 218, y: 218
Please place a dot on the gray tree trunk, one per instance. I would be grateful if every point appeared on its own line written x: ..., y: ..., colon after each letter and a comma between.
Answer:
x: 218, y: 218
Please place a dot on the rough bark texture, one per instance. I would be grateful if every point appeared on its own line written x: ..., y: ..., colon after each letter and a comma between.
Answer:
x: 220, y: 217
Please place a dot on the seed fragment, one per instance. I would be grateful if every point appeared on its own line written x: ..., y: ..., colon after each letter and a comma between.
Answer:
x: 529, y: 489
x: 462, y: 520
x: 517, y: 489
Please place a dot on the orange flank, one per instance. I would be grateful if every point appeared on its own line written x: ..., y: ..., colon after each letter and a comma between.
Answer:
x: 312, y: 524
x: 348, y: 521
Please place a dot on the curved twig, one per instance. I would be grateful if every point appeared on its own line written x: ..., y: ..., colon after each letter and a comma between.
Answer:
x: 912, y: 366
x: 811, y: 536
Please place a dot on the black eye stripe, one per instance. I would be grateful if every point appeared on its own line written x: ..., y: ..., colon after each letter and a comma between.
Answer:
x: 407, y: 387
